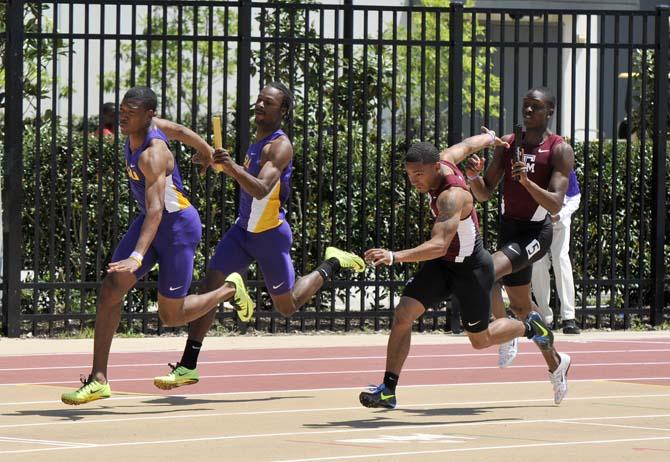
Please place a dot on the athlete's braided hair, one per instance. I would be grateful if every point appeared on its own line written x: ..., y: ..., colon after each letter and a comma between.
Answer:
x: 287, y: 100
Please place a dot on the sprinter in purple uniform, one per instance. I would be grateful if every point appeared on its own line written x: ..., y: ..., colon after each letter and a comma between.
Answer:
x: 261, y: 232
x: 166, y: 231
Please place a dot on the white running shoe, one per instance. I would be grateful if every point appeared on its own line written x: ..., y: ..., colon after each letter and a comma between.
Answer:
x: 507, y: 352
x: 559, y: 378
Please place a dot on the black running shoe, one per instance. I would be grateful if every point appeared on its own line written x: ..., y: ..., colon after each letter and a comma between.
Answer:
x: 542, y: 335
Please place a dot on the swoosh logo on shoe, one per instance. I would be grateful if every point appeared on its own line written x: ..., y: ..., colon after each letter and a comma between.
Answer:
x: 243, y: 313
x: 385, y: 397
x: 542, y: 329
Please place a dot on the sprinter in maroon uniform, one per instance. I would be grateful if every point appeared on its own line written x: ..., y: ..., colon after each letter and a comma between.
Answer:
x: 533, y: 188
x: 455, y: 263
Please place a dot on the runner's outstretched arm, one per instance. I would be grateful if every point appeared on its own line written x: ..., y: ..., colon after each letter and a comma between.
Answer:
x: 460, y: 151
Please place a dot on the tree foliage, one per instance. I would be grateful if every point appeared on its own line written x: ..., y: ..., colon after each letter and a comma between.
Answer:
x: 34, y: 20
x: 178, y: 65
x: 645, y: 75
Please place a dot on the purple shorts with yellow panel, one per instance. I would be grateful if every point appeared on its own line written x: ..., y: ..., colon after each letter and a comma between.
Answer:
x: 173, y: 248
x: 238, y: 248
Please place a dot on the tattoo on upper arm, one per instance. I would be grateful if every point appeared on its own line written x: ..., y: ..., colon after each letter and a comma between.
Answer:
x: 449, y: 203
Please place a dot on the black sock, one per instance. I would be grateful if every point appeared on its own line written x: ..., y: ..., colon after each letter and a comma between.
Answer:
x: 328, y: 268
x: 390, y: 381
x: 190, y: 357
x: 529, y: 330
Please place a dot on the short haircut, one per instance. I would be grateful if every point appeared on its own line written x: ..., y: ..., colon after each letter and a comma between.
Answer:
x: 109, y: 108
x: 426, y: 153
x: 287, y: 100
x: 548, y: 95
x: 144, y: 95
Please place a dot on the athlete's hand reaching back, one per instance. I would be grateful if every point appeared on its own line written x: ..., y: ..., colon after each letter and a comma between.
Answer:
x: 474, y: 166
x: 204, y: 160
x: 378, y: 257
x: 495, y: 141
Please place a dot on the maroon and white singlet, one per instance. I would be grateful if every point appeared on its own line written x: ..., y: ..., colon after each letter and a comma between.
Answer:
x: 518, y: 204
x: 467, y: 238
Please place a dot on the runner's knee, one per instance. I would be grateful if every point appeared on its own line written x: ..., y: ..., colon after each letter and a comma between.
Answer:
x: 285, y: 307
x: 112, y: 288
x: 404, y: 317
x: 172, y: 315
x: 480, y: 340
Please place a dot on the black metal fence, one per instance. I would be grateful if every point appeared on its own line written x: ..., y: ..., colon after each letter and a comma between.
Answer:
x: 368, y: 81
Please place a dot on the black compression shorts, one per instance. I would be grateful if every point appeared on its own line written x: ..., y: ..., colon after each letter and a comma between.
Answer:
x: 470, y: 281
x: 524, y: 243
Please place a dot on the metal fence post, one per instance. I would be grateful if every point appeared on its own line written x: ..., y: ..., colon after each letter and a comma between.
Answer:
x: 13, y: 167
x: 243, y: 73
x: 348, y: 31
x: 455, y: 103
x: 3, y: 279
x: 659, y: 161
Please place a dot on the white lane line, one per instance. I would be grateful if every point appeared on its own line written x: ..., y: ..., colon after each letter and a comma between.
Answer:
x: 303, y: 390
x: 356, y: 372
x: 421, y: 427
x: 9, y: 439
x: 648, y: 342
x: 630, y: 427
x: 561, y: 339
x: 318, y: 410
x: 328, y: 358
x: 412, y: 438
x: 484, y: 448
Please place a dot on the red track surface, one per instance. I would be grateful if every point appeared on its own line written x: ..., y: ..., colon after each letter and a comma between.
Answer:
x: 292, y: 369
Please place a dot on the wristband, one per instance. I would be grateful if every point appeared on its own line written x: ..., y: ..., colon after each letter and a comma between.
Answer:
x: 472, y: 177
x: 392, y: 259
x: 493, y: 136
x: 137, y: 257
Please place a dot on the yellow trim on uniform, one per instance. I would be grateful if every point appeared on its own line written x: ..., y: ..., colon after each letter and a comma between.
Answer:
x: 270, y: 216
x: 131, y: 173
x: 181, y: 199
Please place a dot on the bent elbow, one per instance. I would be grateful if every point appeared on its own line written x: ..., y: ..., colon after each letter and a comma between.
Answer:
x: 481, y: 197
x: 554, y: 209
x: 444, y: 247
x: 154, y: 212
x: 261, y: 194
